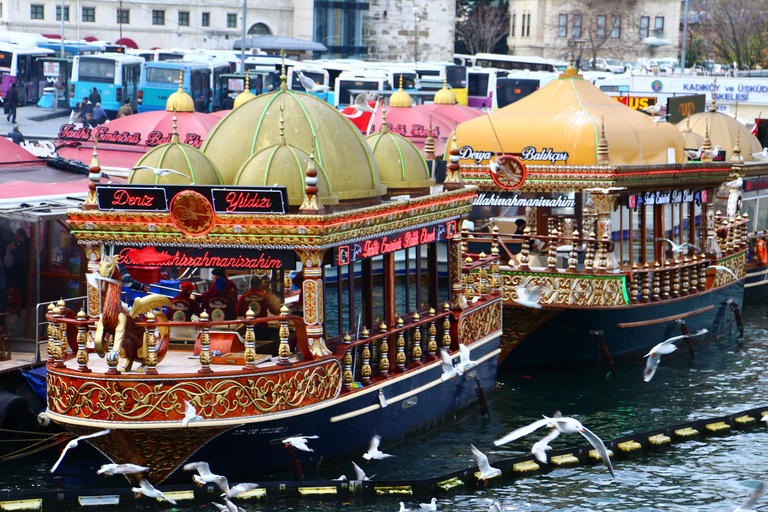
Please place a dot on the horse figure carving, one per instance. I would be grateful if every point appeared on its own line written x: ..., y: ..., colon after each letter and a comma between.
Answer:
x: 119, y: 322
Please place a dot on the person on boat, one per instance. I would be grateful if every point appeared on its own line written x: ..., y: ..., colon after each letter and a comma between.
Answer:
x: 219, y: 304
x: 231, y: 287
x: 184, y: 306
x: 260, y: 301
x: 129, y: 282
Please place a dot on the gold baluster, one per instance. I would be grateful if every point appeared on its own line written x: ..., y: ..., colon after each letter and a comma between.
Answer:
x: 51, y: 333
x: 589, y: 257
x: 151, y: 359
x: 656, y: 283
x: 447, y: 328
x: 416, y: 353
x: 646, y: 290
x: 634, y: 287
x: 365, y: 370
x: 525, y: 250
x: 58, y: 349
x: 573, y: 255
x: 346, y: 364
x: 250, y: 341
x: 383, y: 353
x: 284, y: 351
x: 432, y: 336
x: 205, y: 345
x: 400, y: 355
x: 82, y: 338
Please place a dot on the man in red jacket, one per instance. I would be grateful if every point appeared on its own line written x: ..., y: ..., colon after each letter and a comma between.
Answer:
x: 184, y: 306
x: 258, y: 300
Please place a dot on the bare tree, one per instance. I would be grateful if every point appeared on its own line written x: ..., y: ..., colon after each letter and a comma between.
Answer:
x: 483, y: 25
x: 734, y: 30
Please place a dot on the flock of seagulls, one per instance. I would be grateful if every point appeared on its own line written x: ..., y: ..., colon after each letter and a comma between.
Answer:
x: 451, y: 370
x: 697, y: 154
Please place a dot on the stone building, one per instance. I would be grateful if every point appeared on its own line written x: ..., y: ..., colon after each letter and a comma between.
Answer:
x: 609, y: 29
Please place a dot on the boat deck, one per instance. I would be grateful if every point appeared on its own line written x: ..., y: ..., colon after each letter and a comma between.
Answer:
x: 21, y: 360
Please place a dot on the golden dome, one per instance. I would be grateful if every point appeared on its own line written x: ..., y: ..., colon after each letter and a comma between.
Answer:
x: 245, y: 95
x: 341, y: 151
x: 180, y: 101
x: 692, y: 140
x: 722, y: 132
x: 560, y: 125
x: 285, y: 165
x: 401, y: 165
x: 185, y: 164
x: 400, y: 98
x: 445, y: 96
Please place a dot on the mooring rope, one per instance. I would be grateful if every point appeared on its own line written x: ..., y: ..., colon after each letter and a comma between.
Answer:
x: 38, y: 446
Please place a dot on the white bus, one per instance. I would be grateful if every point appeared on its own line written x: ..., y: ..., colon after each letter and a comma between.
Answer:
x: 114, y: 75
x: 19, y: 65
x: 513, y: 62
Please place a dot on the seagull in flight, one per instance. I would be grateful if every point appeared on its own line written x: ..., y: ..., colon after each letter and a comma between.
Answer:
x: 299, y: 442
x: 679, y: 248
x: 566, y: 426
x: 486, y: 470
x: 432, y: 505
x: 310, y: 85
x: 160, y: 172
x: 750, y: 502
x: 121, y: 469
x: 528, y: 298
x: 361, y: 102
x: 762, y: 155
x: 721, y: 268
x: 190, y: 414
x: 540, y: 447
x: 228, y: 506
x: 147, y: 490
x: 374, y: 452
x: 204, y: 475
x: 73, y: 444
x: 231, y: 492
x: 465, y: 362
x: 605, y: 191
x: 360, y: 474
x: 665, y: 347
x: 449, y: 371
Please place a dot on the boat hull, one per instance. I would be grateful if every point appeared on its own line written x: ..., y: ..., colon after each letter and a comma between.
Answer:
x: 561, y: 339
x: 756, y: 283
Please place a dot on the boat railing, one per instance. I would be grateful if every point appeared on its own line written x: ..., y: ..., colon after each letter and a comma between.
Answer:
x: 60, y: 322
x: 40, y: 325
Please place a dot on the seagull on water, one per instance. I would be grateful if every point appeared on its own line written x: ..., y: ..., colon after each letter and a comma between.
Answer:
x: 147, y: 490
x: 665, y: 347
x: 160, y: 172
x: 228, y: 506
x: 449, y: 371
x: 486, y: 470
x: 121, y: 469
x: 73, y: 444
x: 762, y: 155
x: 496, y: 506
x: 299, y: 442
x: 373, y: 450
x: 310, y: 85
x: 432, y: 505
x: 679, y: 248
x: 750, y: 502
x: 402, y: 508
x: 528, y: 298
x: 204, y: 475
x: 361, y: 102
x: 360, y: 474
x: 720, y: 268
x: 190, y: 414
x: 566, y: 426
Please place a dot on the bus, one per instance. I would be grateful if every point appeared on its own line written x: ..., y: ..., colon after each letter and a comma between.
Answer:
x: 314, y: 73
x: 114, y: 75
x: 161, y: 79
x: 156, y: 55
x: 72, y: 49
x: 496, y: 88
x: 18, y: 64
x: 513, y: 62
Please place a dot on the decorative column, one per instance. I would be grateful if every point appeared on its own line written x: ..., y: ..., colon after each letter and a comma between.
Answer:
x: 284, y: 351
x: 447, y: 328
x: 346, y: 364
x: 365, y: 369
x: 93, y: 304
x: 312, y: 291
x: 431, y: 336
x: 604, y: 206
x: 453, y: 179
x: 58, y: 349
x: 151, y: 360
x: 82, y: 338
x: 205, y: 345
x: 50, y: 349
x: 416, y: 352
x: 249, y: 354
x: 400, y: 344
x: 383, y: 353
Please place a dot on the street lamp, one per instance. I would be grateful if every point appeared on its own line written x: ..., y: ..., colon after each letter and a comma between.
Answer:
x: 685, y: 38
x: 416, y: 46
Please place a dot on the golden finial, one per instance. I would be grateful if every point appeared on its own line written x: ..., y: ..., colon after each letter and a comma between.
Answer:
x: 602, y: 146
x: 281, y: 141
x: 712, y: 108
x: 736, y: 158
x: 401, y: 81
x: 736, y: 110
x: 311, y: 203
x: 175, y: 136
x: 429, y: 144
x: 283, y: 76
x: 181, y: 81
x: 383, y: 128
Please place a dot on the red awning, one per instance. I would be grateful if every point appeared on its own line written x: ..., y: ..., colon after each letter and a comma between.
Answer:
x: 25, y: 189
x: 90, y: 39
x: 130, y: 43
x: 52, y: 36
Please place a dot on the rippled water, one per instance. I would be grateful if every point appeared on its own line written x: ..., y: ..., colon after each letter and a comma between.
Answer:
x: 715, y: 474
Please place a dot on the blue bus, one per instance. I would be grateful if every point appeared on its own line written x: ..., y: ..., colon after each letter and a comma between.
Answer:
x: 72, y: 49
x: 161, y: 79
x: 114, y: 75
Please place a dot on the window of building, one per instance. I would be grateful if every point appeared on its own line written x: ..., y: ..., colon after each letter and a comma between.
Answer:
x: 183, y: 18
x: 562, y: 25
x: 344, y: 31
x: 37, y: 12
x: 601, y: 21
x: 123, y: 16
x: 206, y: 21
x: 512, y: 25
x: 576, y: 32
x: 58, y: 13
x: 645, y: 23
x: 528, y: 26
x: 158, y: 17
x: 259, y: 29
x: 231, y: 20
x: 1, y: 10
x: 616, y: 30
x: 89, y: 14
x: 658, y: 26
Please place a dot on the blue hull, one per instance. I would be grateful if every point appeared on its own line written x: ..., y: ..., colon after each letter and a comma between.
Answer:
x: 563, y: 340
x: 417, y: 402
x: 756, y: 285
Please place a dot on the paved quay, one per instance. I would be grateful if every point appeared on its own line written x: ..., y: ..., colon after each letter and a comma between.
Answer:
x: 36, y: 123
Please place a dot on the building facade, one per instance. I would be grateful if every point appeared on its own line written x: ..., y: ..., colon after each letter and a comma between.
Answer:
x: 610, y: 29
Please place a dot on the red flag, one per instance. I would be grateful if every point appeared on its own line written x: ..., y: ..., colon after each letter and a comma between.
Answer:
x: 757, y: 123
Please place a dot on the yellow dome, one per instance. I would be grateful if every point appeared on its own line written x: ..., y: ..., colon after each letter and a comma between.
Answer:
x: 445, y: 96
x: 245, y: 95
x: 560, y: 124
x: 285, y: 165
x: 185, y: 164
x: 400, y: 98
x: 401, y: 165
x: 180, y: 101
x: 340, y: 149
x: 722, y: 132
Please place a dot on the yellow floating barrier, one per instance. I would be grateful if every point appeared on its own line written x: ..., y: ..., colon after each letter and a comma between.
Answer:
x: 720, y: 426
x: 478, y: 474
x: 743, y: 421
x: 396, y: 489
x: 33, y: 504
x: 450, y: 484
x: 629, y: 446
x: 659, y: 440
x: 253, y: 493
x: 562, y: 460
x: 179, y: 495
x: 595, y: 455
x: 526, y: 466
x: 686, y: 432
x: 312, y: 491
x: 91, y: 501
